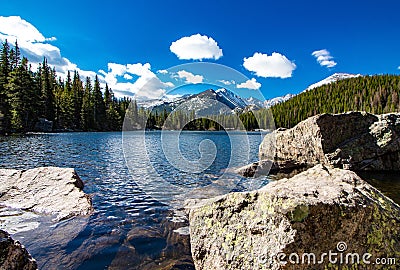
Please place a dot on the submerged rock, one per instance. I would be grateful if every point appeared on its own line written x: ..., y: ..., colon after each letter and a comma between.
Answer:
x: 354, y: 140
x: 13, y: 255
x: 159, y: 247
x: 48, y: 190
x: 317, y: 211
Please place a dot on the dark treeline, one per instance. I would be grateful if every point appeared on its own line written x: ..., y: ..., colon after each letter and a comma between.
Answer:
x: 26, y: 96
x: 71, y: 104
x: 374, y: 94
x: 139, y: 118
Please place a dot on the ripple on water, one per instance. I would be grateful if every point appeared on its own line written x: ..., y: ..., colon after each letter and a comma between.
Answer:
x: 129, y: 228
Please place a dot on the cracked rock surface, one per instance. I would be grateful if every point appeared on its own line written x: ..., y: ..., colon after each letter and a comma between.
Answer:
x: 355, y: 140
x: 45, y: 190
x: 13, y: 255
x: 310, y: 212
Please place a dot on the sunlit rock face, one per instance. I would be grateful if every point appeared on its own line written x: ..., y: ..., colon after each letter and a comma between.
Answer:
x: 46, y: 190
x: 354, y: 140
x: 312, y: 212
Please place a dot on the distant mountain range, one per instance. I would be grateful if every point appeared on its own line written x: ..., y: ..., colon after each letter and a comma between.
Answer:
x: 223, y: 101
x: 209, y: 102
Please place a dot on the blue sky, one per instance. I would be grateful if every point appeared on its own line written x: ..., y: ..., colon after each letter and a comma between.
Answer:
x: 347, y: 36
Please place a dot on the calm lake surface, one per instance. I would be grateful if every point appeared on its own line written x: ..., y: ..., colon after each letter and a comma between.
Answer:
x: 129, y: 229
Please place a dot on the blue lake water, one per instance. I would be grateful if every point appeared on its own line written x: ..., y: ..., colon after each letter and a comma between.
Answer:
x: 129, y: 229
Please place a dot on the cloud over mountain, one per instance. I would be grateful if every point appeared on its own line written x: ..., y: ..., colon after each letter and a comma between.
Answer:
x: 190, y: 77
x: 275, y: 65
x: 250, y: 84
x: 146, y: 86
x: 324, y: 58
x: 196, y: 47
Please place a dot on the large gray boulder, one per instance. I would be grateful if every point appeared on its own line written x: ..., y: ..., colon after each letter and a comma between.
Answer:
x: 13, y: 255
x: 355, y: 140
x: 47, y: 190
x: 317, y: 211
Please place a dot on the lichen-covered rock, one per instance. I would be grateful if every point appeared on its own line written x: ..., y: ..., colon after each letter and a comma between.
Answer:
x: 48, y: 190
x: 264, y: 167
x: 309, y: 213
x: 13, y: 255
x: 355, y: 140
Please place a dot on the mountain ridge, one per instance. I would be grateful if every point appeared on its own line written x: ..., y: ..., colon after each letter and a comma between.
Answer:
x: 332, y: 78
x: 231, y: 100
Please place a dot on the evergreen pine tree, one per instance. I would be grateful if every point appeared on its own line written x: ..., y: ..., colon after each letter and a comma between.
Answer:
x: 15, y: 59
x: 5, y: 69
x: 22, y: 97
x: 47, y: 95
x: 87, y: 107
x: 99, y: 109
x: 77, y: 90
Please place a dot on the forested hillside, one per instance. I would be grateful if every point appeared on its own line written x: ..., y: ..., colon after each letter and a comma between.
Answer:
x: 26, y: 96
x: 374, y: 94
x: 69, y: 103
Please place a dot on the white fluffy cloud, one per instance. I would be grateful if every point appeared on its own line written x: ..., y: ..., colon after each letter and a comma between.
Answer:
x: 140, y: 69
x: 275, y: 65
x: 20, y: 29
x: 324, y: 58
x: 196, y: 47
x: 147, y: 86
x: 128, y: 77
x: 250, y: 84
x: 227, y: 82
x: 190, y: 77
x: 162, y: 71
x: 117, y: 69
x: 34, y: 45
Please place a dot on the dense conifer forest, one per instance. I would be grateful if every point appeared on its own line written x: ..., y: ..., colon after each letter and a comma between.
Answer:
x: 26, y: 96
x: 376, y: 94
x: 75, y: 105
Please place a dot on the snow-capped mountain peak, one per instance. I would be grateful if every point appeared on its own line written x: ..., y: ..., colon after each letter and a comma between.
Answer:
x: 271, y: 102
x: 167, y: 99
x: 333, y: 78
x: 254, y: 101
x: 231, y: 98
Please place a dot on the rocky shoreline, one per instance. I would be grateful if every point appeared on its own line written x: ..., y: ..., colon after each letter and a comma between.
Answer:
x: 309, y: 213
x: 325, y: 208
x: 322, y: 204
x: 13, y: 255
x: 52, y: 191
x: 45, y: 190
x: 357, y: 141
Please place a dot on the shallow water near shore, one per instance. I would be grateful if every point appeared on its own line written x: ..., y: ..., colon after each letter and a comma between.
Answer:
x: 129, y: 229
x: 387, y: 182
